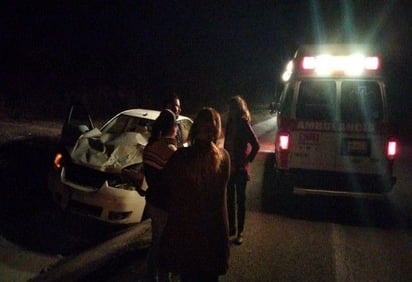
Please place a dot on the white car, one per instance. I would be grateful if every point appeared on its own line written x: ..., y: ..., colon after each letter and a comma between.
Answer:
x: 100, y: 175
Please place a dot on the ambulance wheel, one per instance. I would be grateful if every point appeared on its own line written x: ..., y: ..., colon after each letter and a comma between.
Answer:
x: 282, y: 185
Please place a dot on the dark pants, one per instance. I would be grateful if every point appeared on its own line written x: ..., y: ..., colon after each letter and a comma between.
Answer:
x: 236, y: 201
x: 159, y: 219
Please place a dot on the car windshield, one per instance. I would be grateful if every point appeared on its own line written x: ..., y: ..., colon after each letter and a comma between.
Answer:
x: 126, y: 123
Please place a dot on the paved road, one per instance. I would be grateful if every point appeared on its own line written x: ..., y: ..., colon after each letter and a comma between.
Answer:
x: 309, y: 238
x: 304, y: 239
x: 288, y: 239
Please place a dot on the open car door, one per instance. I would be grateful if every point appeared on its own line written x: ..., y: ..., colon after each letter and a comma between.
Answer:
x: 78, y: 121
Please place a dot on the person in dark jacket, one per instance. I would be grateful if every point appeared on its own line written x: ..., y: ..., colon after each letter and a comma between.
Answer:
x: 161, y: 145
x: 172, y: 102
x: 195, y: 241
x: 242, y: 144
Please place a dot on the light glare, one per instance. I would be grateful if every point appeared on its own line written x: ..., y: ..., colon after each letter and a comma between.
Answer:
x: 284, y: 142
x: 325, y: 64
x: 355, y: 64
x: 308, y: 63
x: 391, y: 148
x: 372, y: 63
x: 288, y: 72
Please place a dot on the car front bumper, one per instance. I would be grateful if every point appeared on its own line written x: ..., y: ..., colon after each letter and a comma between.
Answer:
x: 108, y: 204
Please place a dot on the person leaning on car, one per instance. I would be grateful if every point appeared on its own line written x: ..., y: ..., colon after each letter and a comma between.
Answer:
x: 162, y: 144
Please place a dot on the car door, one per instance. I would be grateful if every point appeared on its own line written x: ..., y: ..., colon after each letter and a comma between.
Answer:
x: 78, y: 121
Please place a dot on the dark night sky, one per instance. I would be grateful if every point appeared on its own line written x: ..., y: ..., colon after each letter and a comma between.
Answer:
x: 201, y: 51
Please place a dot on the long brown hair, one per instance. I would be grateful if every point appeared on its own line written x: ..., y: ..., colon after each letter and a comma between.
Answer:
x: 239, y: 109
x: 204, y: 133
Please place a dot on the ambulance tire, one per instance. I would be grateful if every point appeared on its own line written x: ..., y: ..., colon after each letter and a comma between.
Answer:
x: 284, y: 200
x: 282, y: 185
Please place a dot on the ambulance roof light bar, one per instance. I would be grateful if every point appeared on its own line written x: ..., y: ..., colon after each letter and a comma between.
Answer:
x: 334, y: 60
x: 355, y: 64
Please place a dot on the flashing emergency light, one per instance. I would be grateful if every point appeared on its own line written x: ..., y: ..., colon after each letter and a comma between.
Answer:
x: 372, y: 63
x: 355, y: 64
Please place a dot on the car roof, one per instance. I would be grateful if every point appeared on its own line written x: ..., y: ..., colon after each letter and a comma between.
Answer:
x: 146, y: 113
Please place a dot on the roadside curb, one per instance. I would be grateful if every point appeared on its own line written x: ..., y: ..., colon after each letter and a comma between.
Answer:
x: 74, y: 268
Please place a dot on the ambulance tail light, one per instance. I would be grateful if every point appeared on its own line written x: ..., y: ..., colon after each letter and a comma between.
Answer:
x: 392, y: 148
x: 283, y: 141
x: 282, y: 149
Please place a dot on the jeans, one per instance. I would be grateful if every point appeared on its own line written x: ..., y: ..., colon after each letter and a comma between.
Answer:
x: 159, y: 219
x: 236, y: 202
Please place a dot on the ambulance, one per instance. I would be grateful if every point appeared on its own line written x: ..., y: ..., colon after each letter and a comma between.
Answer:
x: 334, y: 135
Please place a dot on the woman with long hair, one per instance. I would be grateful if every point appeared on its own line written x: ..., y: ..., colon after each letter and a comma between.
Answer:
x: 195, y: 240
x: 242, y: 144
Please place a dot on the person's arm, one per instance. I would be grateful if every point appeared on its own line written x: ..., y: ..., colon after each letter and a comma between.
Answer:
x: 253, y: 141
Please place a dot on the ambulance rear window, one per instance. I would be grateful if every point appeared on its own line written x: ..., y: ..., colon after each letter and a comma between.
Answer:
x: 361, y: 101
x: 317, y: 100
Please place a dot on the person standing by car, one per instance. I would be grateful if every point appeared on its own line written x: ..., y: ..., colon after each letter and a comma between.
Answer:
x: 195, y: 241
x: 161, y: 145
x: 242, y: 144
x: 172, y: 103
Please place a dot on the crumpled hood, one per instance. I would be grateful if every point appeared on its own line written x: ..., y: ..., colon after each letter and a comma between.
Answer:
x: 109, y: 152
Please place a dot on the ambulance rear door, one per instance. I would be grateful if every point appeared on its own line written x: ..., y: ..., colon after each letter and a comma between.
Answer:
x: 314, y: 138
x: 362, y: 135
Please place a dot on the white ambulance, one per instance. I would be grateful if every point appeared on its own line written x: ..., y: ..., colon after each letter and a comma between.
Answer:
x: 334, y: 134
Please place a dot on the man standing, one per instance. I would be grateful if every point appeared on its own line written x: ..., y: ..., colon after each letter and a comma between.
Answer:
x: 172, y: 103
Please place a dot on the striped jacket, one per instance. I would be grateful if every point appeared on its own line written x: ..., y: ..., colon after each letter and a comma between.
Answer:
x: 155, y: 157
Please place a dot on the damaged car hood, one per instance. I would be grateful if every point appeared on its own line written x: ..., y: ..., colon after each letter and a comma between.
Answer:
x: 109, y: 152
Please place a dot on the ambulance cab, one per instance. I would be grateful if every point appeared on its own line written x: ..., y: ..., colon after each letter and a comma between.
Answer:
x: 334, y: 134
